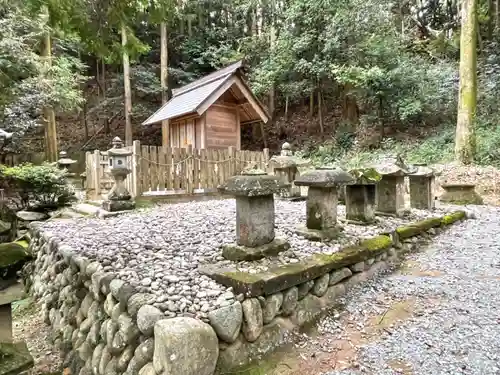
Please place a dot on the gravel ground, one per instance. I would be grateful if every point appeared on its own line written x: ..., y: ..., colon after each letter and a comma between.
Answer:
x: 451, y: 322
x: 158, y: 250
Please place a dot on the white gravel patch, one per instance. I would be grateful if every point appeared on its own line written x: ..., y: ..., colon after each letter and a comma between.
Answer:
x: 459, y: 331
x: 159, y: 250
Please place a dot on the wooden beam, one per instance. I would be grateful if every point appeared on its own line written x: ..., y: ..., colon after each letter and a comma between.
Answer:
x: 225, y: 85
x: 259, y: 108
x: 238, y: 130
x: 203, y: 124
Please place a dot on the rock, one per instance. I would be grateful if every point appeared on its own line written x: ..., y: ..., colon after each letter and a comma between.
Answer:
x: 136, y: 301
x: 185, y: 346
x: 31, y: 216
x: 304, y: 288
x: 227, y: 321
x: 252, y: 319
x: 147, y: 318
x: 290, y: 300
x: 124, y: 359
x: 308, y: 309
x: 147, y: 370
x: 358, y: 267
x: 85, y: 351
x: 144, y: 353
x: 115, y: 286
x: 321, y: 285
x: 110, y: 368
x: 15, y: 358
x: 272, y: 306
x: 339, y: 275
x: 96, y: 358
x: 13, y: 256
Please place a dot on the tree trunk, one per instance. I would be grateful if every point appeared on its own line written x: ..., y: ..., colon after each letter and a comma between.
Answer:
x: 465, y: 142
x: 491, y: 18
x: 164, y: 80
x: 320, y: 111
x: 286, y: 107
x: 83, y: 120
x: 497, y: 16
x: 311, y: 104
x: 272, y: 89
x: 49, y: 116
x: 126, y: 87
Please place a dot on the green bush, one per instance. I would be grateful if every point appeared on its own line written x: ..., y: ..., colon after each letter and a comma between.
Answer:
x: 436, y: 149
x: 36, y: 186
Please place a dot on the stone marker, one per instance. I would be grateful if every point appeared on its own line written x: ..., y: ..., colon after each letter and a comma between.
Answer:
x: 391, y: 187
x: 421, y: 183
x: 322, y: 199
x: 255, y: 238
x: 10, y: 294
x: 285, y: 167
x: 185, y: 346
x: 360, y: 196
x: 460, y: 194
x: 119, y: 198
x: 64, y: 162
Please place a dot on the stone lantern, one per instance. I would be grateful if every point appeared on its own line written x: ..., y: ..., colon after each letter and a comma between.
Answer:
x: 255, y: 237
x: 360, y: 196
x: 285, y: 167
x: 322, y: 200
x: 421, y: 187
x: 390, y: 195
x: 119, y: 198
x: 64, y: 162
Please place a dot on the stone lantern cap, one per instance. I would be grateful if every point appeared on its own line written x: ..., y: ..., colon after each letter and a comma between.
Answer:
x: 393, y: 166
x: 324, y: 178
x: 423, y: 171
x: 64, y: 160
x: 253, y: 183
x: 118, y: 149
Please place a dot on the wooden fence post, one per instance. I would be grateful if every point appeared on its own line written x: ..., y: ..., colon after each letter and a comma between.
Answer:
x: 189, y: 169
x: 97, y: 172
x: 266, y: 160
x: 136, y: 169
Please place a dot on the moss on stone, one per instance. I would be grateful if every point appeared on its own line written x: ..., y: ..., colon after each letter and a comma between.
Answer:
x: 417, y: 228
x: 14, y: 358
x: 11, y: 253
x: 452, y: 217
x: 23, y: 243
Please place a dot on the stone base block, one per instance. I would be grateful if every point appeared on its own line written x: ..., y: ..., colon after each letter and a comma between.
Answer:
x: 400, y: 213
x: 14, y: 358
x: 238, y: 253
x: 460, y: 194
x: 113, y: 206
x: 319, y: 235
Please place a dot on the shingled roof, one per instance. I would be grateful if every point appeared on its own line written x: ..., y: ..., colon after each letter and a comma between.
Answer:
x: 197, y: 96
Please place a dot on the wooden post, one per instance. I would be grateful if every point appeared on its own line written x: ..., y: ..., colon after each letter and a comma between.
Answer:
x: 126, y: 86
x: 136, y: 169
x: 97, y: 172
x: 165, y: 134
x: 266, y: 159
x: 189, y: 169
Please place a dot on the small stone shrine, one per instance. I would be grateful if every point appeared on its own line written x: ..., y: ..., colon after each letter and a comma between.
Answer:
x: 390, y: 196
x: 461, y: 194
x: 64, y: 162
x: 360, y: 196
x: 285, y: 166
x: 321, y: 204
x: 119, y: 198
x: 421, y: 188
x: 255, y: 238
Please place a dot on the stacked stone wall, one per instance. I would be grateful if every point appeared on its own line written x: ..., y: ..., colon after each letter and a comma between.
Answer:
x: 104, y: 327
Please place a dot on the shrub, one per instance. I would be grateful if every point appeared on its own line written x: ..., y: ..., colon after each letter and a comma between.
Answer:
x: 36, y: 186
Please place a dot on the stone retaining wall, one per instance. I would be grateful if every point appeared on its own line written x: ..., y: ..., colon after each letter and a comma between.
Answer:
x: 105, y: 328
x: 94, y: 317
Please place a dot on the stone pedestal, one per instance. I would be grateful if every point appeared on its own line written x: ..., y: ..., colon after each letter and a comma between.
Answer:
x: 322, y: 200
x: 255, y: 237
x: 360, y: 202
x: 391, y: 188
x: 285, y: 167
x: 8, y: 295
x: 460, y: 194
x: 390, y: 195
x: 421, y: 196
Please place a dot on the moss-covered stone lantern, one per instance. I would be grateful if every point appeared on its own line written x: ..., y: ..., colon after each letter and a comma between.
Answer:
x: 255, y: 237
x: 119, y: 198
x: 322, y: 200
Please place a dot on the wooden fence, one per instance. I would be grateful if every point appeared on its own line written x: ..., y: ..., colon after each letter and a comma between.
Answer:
x: 157, y: 170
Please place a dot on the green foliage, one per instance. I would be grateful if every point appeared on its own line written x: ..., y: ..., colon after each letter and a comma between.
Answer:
x: 36, y: 186
x: 369, y: 175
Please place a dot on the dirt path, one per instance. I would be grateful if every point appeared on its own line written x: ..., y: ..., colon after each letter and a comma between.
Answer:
x: 29, y: 327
